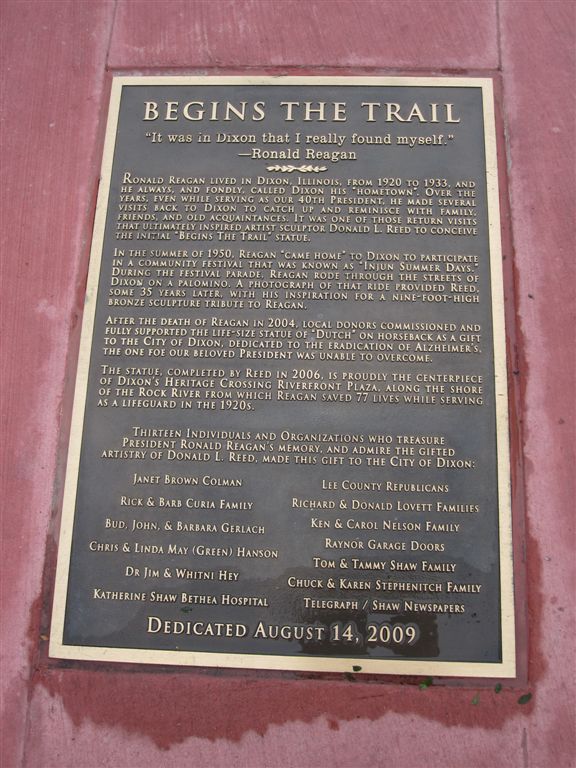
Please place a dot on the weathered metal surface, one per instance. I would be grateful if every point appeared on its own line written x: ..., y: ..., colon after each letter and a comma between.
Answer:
x: 289, y: 445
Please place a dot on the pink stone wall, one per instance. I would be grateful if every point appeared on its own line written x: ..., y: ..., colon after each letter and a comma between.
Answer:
x: 57, y: 58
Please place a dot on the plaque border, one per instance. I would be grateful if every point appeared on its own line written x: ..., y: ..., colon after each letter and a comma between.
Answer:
x: 504, y: 669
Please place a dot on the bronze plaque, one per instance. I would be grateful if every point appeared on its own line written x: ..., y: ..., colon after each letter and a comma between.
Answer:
x: 289, y: 446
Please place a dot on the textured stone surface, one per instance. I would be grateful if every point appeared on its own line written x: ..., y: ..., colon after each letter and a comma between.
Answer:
x: 291, y: 33
x: 538, y: 65
x: 53, y: 58
x: 54, y: 92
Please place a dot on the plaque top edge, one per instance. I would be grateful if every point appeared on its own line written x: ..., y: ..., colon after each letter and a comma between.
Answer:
x: 249, y: 79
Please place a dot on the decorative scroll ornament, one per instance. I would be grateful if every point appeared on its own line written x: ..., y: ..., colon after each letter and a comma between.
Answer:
x: 301, y: 168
